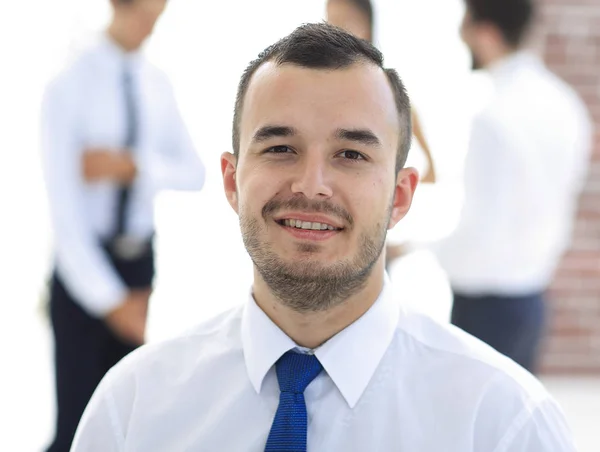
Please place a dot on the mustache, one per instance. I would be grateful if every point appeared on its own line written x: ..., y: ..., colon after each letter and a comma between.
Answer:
x: 305, y: 205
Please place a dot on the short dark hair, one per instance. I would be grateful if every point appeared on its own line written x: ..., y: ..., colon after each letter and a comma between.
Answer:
x: 512, y: 17
x: 323, y: 46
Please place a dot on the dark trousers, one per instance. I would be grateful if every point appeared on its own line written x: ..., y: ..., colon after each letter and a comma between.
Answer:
x: 85, y: 348
x: 512, y: 325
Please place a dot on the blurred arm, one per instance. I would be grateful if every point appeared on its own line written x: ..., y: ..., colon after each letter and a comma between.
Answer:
x: 176, y: 165
x: 429, y: 176
x: 82, y: 263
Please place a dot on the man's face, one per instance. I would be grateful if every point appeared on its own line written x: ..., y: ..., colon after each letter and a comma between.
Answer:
x: 315, y: 185
x: 345, y: 15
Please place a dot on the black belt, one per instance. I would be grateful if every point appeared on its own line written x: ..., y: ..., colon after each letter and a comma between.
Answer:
x: 128, y: 248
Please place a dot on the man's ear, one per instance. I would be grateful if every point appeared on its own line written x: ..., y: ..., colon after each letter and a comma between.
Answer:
x: 229, y: 171
x: 406, y: 184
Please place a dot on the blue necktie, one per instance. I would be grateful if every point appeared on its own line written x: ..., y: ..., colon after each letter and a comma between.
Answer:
x: 131, y: 138
x: 295, y: 371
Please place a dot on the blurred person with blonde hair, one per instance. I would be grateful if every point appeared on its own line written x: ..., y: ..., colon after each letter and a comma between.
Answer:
x: 112, y: 137
x: 525, y: 167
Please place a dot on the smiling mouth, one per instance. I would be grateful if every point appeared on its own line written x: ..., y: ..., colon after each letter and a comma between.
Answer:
x: 307, y: 225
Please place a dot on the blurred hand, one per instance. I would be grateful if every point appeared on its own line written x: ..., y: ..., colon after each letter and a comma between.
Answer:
x: 128, y: 320
x: 100, y: 164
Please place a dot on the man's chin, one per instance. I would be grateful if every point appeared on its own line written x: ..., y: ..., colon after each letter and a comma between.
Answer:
x: 296, y: 252
x: 305, y: 267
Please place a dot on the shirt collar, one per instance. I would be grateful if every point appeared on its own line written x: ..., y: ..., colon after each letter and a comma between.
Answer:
x: 507, y: 65
x: 116, y: 54
x: 350, y: 358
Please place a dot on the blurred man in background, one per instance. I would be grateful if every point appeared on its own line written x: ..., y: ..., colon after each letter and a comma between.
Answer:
x: 524, y: 170
x: 112, y: 137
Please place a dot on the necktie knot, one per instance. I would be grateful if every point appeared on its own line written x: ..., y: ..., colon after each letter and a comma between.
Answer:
x: 295, y: 371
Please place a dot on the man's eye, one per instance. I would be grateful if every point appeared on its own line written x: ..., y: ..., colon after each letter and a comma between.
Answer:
x: 351, y: 155
x: 278, y: 149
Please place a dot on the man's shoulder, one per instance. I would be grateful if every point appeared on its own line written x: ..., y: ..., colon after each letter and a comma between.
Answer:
x: 502, y: 403
x: 72, y: 74
x: 535, y: 91
x: 465, y: 360
x: 182, y: 354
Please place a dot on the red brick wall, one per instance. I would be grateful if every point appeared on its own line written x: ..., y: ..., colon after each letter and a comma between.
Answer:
x: 569, y: 32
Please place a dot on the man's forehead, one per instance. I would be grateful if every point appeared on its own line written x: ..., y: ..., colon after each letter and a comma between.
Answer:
x: 271, y: 71
x: 268, y: 68
x: 287, y: 85
x: 322, y: 101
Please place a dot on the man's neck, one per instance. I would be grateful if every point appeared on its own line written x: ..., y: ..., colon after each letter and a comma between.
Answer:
x: 312, y: 329
x: 117, y: 33
x: 500, y: 55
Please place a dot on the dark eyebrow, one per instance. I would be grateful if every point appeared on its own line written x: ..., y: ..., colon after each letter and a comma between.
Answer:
x: 364, y: 136
x: 267, y: 132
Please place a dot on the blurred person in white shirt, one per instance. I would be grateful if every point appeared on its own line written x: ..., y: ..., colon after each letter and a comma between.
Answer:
x: 112, y: 137
x: 525, y: 167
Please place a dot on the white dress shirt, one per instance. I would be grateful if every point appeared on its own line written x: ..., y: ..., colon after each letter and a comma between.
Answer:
x: 85, y: 107
x: 392, y: 381
x: 524, y: 170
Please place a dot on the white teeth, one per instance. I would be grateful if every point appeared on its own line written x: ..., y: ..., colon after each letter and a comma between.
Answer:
x: 307, y: 225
